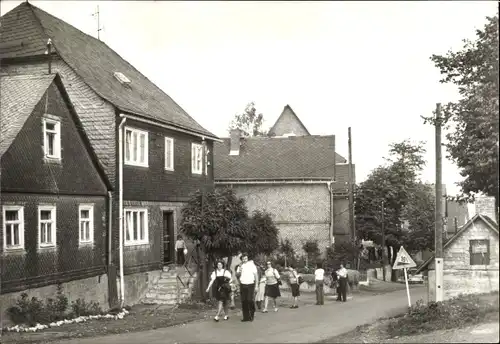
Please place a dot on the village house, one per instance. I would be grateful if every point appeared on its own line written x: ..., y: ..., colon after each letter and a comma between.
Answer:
x: 471, y: 256
x: 295, y: 176
x: 150, y: 149
x: 54, y: 194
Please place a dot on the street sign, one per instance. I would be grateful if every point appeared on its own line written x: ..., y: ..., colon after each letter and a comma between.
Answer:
x: 403, y: 260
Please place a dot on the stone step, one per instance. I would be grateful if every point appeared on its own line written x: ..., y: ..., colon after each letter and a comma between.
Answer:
x: 158, y: 302
x: 161, y: 296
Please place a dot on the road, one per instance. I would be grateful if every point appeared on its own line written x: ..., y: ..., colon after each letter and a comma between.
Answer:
x: 310, y: 323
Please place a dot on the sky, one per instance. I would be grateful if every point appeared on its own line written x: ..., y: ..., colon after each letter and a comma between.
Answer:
x: 363, y: 65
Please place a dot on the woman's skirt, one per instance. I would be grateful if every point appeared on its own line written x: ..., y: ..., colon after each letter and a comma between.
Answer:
x: 272, y: 290
x: 295, y: 289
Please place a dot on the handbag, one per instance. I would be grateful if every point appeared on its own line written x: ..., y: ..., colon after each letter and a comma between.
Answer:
x: 300, y: 280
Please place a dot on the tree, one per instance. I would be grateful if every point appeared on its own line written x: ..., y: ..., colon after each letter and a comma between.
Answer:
x: 473, y: 142
x: 396, y: 184
x: 249, y: 122
x: 312, y: 251
x: 224, y: 228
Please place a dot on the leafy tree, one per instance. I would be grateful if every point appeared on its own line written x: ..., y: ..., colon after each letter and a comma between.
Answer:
x: 224, y: 228
x: 394, y: 184
x: 249, y: 122
x: 473, y: 142
x: 311, y: 249
x: 286, y: 253
x: 342, y: 252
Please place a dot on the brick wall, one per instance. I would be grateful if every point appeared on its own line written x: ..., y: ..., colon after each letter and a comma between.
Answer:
x: 34, y: 267
x: 24, y: 168
x: 486, y: 206
x: 459, y: 275
x: 287, y: 123
x: 97, y: 115
x: 301, y: 212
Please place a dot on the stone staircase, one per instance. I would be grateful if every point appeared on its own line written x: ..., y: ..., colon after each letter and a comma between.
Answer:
x: 174, y: 286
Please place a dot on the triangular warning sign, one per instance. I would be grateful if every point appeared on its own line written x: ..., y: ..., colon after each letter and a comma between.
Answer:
x: 403, y: 260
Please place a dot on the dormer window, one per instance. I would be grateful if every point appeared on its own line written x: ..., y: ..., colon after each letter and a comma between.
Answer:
x: 122, y: 78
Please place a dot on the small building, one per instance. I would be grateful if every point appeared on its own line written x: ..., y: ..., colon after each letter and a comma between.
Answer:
x: 471, y: 260
x: 54, y: 205
x: 298, y: 178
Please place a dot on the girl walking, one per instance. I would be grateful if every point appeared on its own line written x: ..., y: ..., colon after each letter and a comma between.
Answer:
x: 295, y: 285
x: 221, y: 279
x: 272, y: 290
x: 262, y: 286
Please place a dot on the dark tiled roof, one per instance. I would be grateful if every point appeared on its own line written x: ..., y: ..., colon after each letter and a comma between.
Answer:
x: 18, y: 97
x: 92, y: 60
x: 295, y: 157
x: 287, y: 110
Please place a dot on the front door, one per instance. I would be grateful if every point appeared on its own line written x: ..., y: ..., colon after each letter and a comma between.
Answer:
x: 168, y: 238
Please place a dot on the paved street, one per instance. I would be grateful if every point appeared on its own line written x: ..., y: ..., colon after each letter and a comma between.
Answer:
x: 309, y: 323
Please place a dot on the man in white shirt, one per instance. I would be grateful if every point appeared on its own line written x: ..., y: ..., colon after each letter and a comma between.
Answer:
x: 248, y: 276
x: 342, y: 275
x: 319, y: 275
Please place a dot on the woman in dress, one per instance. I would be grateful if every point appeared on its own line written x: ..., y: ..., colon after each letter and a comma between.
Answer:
x: 221, y: 279
x: 294, y: 285
x: 262, y: 286
x: 272, y: 290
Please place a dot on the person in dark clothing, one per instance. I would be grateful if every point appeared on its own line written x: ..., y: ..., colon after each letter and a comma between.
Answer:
x: 335, y: 283
x: 342, y: 276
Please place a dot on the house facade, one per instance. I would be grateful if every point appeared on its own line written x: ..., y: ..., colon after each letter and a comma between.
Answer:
x: 299, y: 179
x: 471, y: 259
x: 53, y: 220
x: 150, y: 149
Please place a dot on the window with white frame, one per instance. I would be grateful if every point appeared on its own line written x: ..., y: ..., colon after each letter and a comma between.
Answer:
x: 196, y: 158
x: 13, y: 227
x: 52, y: 138
x: 136, y: 147
x: 169, y: 153
x: 47, y: 226
x: 136, y: 227
x: 86, y: 223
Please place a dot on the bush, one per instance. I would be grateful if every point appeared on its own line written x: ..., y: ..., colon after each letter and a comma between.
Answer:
x: 82, y: 308
x: 458, y: 312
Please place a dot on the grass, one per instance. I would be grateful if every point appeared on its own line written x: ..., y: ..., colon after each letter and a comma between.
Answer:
x: 460, y: 312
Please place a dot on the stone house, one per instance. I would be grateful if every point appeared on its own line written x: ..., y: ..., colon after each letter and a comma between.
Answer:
x: 161, y: 163
x: 54, y: 194
x: 299, y: 179
x: 471, y: 259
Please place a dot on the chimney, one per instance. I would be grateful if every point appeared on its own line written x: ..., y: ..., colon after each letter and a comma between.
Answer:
x: 485, y: 205
x: 235, y: 142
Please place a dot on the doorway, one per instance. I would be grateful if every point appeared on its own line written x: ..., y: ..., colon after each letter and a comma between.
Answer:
x: 168, y: 238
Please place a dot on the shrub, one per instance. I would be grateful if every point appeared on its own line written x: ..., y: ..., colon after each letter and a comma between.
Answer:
x: 82, y: 308
x: 311, y: 248
x: 454, y: 313
x: 27, y: 311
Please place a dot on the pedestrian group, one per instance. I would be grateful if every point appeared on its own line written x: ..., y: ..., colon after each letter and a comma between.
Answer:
x: 259, y: 286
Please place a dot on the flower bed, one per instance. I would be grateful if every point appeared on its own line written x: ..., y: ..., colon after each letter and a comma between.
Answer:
x: 38, y: 327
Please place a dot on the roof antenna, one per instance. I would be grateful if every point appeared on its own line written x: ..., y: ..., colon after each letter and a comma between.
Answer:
x: 99, y: 28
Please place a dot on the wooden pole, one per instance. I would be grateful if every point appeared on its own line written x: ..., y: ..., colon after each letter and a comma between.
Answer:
x: 384, y: 256
x: 351, y: 189
x: 439, y: 210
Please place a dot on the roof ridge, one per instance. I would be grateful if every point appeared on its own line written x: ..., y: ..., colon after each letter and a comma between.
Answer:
x: 182, y: 111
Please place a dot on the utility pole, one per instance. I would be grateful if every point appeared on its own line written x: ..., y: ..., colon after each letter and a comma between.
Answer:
x: 439, y: 210
x: 99, y: 28
x: 351, y: 188
x: 384, y: 256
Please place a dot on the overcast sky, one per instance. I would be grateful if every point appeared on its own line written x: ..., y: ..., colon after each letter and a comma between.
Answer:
x: 337, y: 64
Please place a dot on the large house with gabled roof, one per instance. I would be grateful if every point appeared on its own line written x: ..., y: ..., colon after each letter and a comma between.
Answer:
x: 161, y: 161
x: 297, y: 177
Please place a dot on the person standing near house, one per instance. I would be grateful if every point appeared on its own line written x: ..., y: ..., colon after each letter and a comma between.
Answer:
x: 262, y: 286
x: 272, y: 286
x: 221, y: 279
x: 180, y: 249
x: 249, y: 280
x: 293, y: 277
x: 319, y: 275
x: 342, y: 291
x: 335, y: 283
